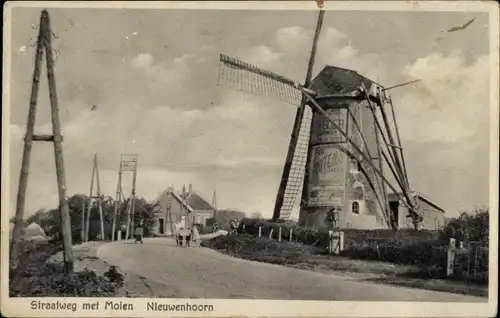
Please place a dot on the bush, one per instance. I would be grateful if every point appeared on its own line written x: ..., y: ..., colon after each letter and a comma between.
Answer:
x: 260, y: 249
x: 425, y: 248
x: 319, y: 237
x: 114, y: 276
x: 36, y: 278
x: 468, y: 227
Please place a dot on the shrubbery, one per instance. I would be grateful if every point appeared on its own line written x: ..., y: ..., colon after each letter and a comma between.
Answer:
x: 426, y: 249
x: 49, y: 220
x: 36, y: 278
x: 319, y: 237
x: 262, y: 250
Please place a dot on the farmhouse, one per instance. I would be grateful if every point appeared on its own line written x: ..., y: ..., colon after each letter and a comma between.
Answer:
x: 175, y: 207
x: 434, y: 216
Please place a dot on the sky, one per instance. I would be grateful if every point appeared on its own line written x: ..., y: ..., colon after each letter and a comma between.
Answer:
x: 153, y: 76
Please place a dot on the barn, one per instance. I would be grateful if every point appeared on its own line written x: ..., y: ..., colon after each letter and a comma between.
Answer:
x: 174, y: 207
x: 434, y: 215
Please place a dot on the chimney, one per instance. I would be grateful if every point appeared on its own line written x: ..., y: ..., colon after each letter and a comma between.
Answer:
x: 190, y: 188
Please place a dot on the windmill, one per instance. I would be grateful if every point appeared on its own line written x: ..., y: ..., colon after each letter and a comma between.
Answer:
x: 341, y: 141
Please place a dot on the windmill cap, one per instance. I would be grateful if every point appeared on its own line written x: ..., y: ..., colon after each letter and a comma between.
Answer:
x: 337, y: 80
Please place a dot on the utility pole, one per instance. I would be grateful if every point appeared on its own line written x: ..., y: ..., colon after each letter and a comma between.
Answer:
x: 117, y: 203
x: 214, y: 203
x: 82, y: 231
x: 89, y: 206
x: 132, y: 199
x: 97, y: 197
x: 128, y: 162
x: 43, y: 42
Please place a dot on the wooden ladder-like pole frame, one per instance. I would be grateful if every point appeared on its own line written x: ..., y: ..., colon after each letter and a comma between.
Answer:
x: 43, y: 42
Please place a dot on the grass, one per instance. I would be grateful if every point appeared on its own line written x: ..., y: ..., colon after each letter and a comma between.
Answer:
x: 35, y: 277
x: 310, y: 257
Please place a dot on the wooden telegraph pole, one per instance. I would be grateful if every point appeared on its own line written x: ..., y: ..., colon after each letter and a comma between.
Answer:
x: 117, y: 203
x: 128, y: 162
x: 214, y: 203
x: 95, y: 173
x: 43, y: 42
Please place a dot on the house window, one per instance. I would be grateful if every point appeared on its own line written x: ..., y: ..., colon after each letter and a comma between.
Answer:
x: 355, y: 207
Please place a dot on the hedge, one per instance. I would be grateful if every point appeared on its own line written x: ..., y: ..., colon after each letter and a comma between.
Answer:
x: 316, y: 237
x: 424, y: 248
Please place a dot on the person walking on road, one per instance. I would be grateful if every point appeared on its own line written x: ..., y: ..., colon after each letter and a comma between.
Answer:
x: 178, y: 234
x: 188, y: 237
x: 195, y: 236
x: 139, y: 233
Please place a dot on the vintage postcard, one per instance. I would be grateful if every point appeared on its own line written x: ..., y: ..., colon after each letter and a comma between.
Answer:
x: 250, y: 159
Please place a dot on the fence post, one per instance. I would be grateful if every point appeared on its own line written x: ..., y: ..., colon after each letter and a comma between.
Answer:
x: 341, y: 241
x: 330, y: 242
x: 450, y: 258
x: 271, y: 234
x: 260, y: 231
x: 279, y: 234
x: 291, y: 233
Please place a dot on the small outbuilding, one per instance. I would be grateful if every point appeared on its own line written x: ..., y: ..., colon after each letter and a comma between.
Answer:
x: 433, y: 214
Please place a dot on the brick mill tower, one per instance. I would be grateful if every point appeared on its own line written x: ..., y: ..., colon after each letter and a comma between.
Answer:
x: 333, y: 180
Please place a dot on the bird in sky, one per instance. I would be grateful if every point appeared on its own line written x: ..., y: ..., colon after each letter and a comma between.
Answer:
x: 462, y: 27
x: 93, y: 108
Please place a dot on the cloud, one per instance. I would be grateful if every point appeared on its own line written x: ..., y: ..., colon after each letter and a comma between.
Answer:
x: 450, y: 103
x: 262, y: 55
x: 143, y: 61
x: 292, y: 38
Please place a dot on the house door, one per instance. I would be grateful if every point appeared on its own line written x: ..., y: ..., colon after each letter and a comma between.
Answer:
x: 162, y: 226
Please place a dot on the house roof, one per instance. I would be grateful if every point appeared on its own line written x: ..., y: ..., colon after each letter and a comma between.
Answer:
x: 196, y: 202
x: 395, y: 197
x: 192, y: 202
x: 169, y: 191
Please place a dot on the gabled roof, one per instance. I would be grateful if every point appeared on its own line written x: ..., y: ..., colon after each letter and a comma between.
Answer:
x: 169, y: 191
x: 392, y: 197
x: 198, y: 203
x: 192, y: 202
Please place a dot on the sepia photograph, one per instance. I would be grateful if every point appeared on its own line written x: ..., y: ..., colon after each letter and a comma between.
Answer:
x: 249, y: 159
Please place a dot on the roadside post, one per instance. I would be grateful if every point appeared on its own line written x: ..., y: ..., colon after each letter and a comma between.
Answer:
x: 451, y: 257
x: 335, y: 242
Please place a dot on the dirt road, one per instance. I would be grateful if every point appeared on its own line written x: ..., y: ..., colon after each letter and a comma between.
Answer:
x: 204, y: 273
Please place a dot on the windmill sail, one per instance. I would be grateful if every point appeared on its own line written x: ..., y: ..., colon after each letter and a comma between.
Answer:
x: 241, y: 76
x: 295, y: 178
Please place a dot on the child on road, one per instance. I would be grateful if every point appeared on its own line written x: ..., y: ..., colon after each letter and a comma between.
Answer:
x: 195, y: 236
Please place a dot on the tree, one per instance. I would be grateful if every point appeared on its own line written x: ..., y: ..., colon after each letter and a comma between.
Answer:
x: 51, y: 224
x: 256, y: 215
x: 469, y: 226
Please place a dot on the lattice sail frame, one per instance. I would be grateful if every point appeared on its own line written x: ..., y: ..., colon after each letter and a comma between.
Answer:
x: 241, y: 76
